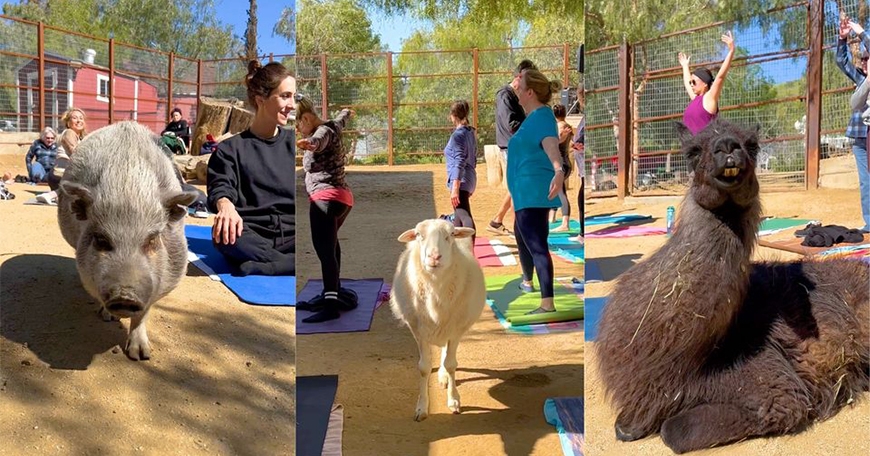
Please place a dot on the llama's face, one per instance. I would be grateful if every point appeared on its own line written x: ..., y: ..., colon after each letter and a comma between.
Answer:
x: 434, y: 241
x: 723, y: 159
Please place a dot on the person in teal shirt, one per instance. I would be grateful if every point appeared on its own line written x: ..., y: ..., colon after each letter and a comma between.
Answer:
x: 534, y: 178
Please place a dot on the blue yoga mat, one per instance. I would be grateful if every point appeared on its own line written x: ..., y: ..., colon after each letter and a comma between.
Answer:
x: 253, y: 289
x: 593, y: 272
x: 594, y: 309
x: 314, y: 396
x: 573, y: 229
x: 566, y: 415
x: 570, y: 250
x: 606, y: 220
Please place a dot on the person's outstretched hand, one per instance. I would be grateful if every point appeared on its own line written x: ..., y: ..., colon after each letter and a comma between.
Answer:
x: 683, y: 58
x: 855, y: 27
x: 728, y: 39
x: 844, y: 28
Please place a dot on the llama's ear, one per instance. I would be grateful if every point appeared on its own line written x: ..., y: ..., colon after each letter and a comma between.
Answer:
x: 751, y: 144
x: 683, y: 132
x: 408, y: 236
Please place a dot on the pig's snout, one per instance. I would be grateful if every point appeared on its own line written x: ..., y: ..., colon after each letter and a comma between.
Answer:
x: 124, y: 306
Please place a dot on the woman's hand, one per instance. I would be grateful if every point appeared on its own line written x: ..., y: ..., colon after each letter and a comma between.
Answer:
x: 844, y: 28
x: 454, y: 198
x: 683, y: 58
x: 728, y: 39
x: 556, y: 184
x: 855, y: 27
x: 227, y: 223
x: 304, y: 144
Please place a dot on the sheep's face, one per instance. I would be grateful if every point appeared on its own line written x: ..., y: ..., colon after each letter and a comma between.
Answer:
x: 434, y: 241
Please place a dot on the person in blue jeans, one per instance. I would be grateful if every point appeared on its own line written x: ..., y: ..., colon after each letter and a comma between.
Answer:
x: 534, y: 178
x: 856, y: 128
x: 41, y: 157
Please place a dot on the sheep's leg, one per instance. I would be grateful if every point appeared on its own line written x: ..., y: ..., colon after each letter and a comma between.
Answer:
x: 449, y: 364
x: 425, y: 368
x: 442, y: 371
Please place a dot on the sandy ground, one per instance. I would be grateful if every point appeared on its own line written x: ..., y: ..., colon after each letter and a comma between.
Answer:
x: 221, y: 379
x: 503, y: 378
x: 844, y: 434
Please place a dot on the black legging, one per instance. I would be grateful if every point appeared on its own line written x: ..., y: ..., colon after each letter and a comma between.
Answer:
x: 326, y: 218
x: 531, y: 227
x: 255, y: 254
x: 580, y: 206
x: 462, y: 213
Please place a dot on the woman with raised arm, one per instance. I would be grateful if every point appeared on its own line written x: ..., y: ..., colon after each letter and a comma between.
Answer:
x: 704, y: 90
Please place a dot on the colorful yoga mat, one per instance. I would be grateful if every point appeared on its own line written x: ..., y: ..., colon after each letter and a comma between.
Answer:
x: 511, y: 305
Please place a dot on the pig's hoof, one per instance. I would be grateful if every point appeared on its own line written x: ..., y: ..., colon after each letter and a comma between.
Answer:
x: 105, y: 315
x: 138, y: 351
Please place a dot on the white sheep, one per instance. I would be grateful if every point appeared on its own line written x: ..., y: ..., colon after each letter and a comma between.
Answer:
x: 439, y: 292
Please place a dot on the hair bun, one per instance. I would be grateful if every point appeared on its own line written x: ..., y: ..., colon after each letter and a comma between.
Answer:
x: 555, y: 86
x: 253, y: 66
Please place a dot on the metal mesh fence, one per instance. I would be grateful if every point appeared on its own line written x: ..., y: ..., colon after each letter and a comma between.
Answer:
x: 766, y: 86
x: 98, y: 76
x: 409, y: 95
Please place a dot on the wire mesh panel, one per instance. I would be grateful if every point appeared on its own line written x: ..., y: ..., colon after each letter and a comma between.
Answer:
x: 141, y: 86
x: 184, y: 90
x: 19, y: 80
x: 601, y: 81
x: 224, y: 78
x: 359, y: 82
x: 766, y: 87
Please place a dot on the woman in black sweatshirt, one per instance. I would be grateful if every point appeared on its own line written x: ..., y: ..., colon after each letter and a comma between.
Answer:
x: 251, y: 180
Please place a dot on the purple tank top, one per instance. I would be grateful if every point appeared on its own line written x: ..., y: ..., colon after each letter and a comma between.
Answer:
x: 696, y: 117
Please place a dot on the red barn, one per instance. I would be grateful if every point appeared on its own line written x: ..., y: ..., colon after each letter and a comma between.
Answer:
x: 85, y: 86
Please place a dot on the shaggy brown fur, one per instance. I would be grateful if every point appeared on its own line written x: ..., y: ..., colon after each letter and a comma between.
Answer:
x: 701, y: 345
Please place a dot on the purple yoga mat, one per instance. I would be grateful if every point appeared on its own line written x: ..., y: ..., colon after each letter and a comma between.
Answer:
x: 359, y: 319
x: 626, y: 231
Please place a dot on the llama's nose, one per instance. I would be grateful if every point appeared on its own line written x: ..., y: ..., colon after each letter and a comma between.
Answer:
x: 729, y: 162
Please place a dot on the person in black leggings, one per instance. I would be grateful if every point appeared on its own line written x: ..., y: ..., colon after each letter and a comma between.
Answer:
x: 578, y: 146
x: 461, y: 155
x: 331, y: 202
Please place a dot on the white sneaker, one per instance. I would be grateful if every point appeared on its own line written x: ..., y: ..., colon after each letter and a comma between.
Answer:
x: 47, y: 197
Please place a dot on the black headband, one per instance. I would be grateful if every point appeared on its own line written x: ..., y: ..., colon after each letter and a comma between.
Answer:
x: 704, y: 75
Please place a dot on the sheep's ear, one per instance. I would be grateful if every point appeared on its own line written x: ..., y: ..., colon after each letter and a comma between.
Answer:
x: 462, y: 232
x: 81, y: 198
x: 408, y: 236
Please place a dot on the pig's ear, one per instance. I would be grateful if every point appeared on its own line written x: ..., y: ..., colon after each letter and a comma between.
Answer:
x: 80, y: 198
x: 176, y: 205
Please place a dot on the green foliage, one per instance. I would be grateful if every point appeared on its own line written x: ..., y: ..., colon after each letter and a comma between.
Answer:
x: 286, y: 25
x: 334, y: 26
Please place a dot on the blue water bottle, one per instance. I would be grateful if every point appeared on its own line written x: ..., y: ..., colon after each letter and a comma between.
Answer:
x: 670, y: 220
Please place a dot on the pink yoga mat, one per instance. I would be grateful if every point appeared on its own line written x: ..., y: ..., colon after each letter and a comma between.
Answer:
x: 626, y: 231
x: 486, y: 254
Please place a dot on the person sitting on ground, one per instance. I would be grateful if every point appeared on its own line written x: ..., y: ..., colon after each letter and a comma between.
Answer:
x: 330, y: 203
x: 251, y: 184
x: 178, y: 127
x: 41, y: 157
x: 74, y: 121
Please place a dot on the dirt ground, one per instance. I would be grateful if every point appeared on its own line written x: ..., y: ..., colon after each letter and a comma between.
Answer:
x: 844, y: 434
x: 503, y: 378
x: 221, y: 379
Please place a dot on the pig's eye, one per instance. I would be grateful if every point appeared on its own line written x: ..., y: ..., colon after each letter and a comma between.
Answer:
x: 152, y: 244
x: 102, y: 243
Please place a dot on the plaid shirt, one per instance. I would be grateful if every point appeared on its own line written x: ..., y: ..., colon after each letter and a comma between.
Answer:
x: 856, y: 128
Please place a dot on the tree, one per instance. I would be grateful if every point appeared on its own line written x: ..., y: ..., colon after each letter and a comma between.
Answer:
x: 286, y: 26
x: 251, y: 52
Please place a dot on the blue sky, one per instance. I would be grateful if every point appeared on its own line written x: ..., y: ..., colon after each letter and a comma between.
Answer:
x: 393, y: 29
x: 235, y: 13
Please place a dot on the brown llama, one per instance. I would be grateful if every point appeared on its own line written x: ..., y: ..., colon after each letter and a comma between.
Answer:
x: 706, y: 348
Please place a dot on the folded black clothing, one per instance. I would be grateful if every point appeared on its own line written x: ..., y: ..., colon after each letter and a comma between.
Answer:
x: 828, y: 235
x: 806, y: 229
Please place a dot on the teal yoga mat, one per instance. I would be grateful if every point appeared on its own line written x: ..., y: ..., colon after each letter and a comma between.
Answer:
x: 606, y: 220
x: 573, y: 229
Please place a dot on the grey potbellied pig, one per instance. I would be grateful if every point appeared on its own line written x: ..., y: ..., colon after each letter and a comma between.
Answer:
x: 120, y: 205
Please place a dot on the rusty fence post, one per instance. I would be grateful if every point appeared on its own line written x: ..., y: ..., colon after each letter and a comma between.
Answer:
x: 324, y: 90
x: 111, y: 84
x: 389, y: 108
x: 41, y: 72
x: 816, y: 18
x: 475, y: 85
x: 169, y: 86
x: 623, y: 145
